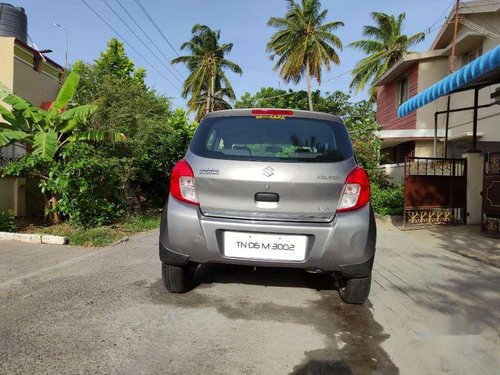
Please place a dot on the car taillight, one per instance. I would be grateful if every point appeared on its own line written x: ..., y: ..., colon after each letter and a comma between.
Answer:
x: 356, y: 191
x: 183, y: 184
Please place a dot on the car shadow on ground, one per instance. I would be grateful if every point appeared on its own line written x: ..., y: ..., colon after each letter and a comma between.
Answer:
x: 352, y: 336
x: 263, y: 276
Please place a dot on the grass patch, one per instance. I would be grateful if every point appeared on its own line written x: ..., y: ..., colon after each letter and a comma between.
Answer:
x: 100, y: 236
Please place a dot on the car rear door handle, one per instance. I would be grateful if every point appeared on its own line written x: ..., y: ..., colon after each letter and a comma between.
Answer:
x: 267, y: 197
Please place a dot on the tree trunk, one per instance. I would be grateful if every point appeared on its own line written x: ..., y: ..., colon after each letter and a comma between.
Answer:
x: 207, y: 106
x: 209, y: 91
x: 308, y: 78
x: 52, y: 209
x: 212, y: 89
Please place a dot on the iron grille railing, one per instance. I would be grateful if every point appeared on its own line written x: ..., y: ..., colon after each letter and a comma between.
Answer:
x: 491, y: 225
x: 492, y: 165
x: 434, y: 190
x: 490, y: 218
x: 420, y: 166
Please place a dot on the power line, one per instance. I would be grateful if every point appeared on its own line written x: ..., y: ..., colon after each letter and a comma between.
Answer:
x: 256, y: 72
x: 480, y: 29
x: 338, y: 76
x: 442, y: 17
x: 140, y: 40
x: 480, y: 4
x: 271, y: 73
x: 128, y: 44
x: 138, y: 2
x: 257, y: 68
x: 147, y: 36
x: 487, y: 23
x: 252, y: 70
x: 316, y: 84
x: 432, y: 27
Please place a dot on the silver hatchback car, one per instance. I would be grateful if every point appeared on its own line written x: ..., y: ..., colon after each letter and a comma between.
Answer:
x: 270, y: 188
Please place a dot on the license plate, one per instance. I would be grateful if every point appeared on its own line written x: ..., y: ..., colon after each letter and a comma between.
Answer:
x: 264, y: 246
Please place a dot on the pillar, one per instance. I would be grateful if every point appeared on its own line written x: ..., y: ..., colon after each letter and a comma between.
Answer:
x: 475, y: 168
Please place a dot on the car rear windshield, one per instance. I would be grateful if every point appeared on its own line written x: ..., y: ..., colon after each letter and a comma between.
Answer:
x: 287, y: 139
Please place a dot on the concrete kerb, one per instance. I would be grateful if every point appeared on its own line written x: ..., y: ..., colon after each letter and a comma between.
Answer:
x: 33, y: 238
x: 53, y: 240
x: 390, y: 219
x: 397, y: 222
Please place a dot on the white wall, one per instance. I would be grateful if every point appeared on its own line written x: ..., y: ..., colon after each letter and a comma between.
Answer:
x: 425, y: 149
x: 12, y: 191
x: 395, y: 172
x: 431, y: 71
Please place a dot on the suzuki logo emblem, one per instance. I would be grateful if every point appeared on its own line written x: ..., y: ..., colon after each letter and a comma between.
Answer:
x: 268, y: 171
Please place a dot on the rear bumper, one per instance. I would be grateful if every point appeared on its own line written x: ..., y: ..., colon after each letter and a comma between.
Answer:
x: 347, y: 244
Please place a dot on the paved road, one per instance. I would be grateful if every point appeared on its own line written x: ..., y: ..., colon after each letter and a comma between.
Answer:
x: 104, y: 311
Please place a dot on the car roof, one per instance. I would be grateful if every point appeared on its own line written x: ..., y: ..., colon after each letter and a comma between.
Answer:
x: 296, y: 113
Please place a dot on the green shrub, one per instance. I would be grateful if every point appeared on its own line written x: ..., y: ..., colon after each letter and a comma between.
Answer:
x: 387, y: 200
x: 154, y: 151
x: 104, y: 235
x: 87, y: 186
x: 7, y: 223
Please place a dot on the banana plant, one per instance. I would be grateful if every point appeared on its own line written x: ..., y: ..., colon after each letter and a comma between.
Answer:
x: 45, y: 132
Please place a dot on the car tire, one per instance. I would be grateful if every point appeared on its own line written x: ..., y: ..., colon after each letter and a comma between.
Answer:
x: 178, y: 279
x: 356, y: 290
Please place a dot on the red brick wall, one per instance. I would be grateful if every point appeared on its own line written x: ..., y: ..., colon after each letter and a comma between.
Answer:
x: 387, y: 104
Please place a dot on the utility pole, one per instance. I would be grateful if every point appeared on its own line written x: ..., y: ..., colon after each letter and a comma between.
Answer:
x: 67, y: 40
x: 452, y: 69
x: 454, y: 42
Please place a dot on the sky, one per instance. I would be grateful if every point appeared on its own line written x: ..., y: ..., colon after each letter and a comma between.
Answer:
x: 242, y: 22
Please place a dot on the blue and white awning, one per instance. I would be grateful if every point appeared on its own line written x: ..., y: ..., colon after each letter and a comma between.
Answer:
x: 482, y: 71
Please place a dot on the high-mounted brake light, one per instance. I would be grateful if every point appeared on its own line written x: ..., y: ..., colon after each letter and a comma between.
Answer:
x: 183, y: 184
x: 356, y: 193
x: 272, y: 112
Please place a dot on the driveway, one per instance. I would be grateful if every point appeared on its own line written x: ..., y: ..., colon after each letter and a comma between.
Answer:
x: 431, y: 310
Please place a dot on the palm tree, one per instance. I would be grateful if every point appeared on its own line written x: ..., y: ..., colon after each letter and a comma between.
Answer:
x: 304, y: 43
x: 207, y: 66
x: 385, y: 45
x: 197, y: 104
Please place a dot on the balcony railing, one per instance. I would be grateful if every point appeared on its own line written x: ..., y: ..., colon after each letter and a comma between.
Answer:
x: 4, y: 160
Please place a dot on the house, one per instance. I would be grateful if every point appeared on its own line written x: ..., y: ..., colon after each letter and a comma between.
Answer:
x: 478, y: 32
x: 27, y: 73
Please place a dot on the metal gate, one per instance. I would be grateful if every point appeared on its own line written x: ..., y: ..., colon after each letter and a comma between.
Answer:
x: 490, y: 218
x: 435, y: 190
